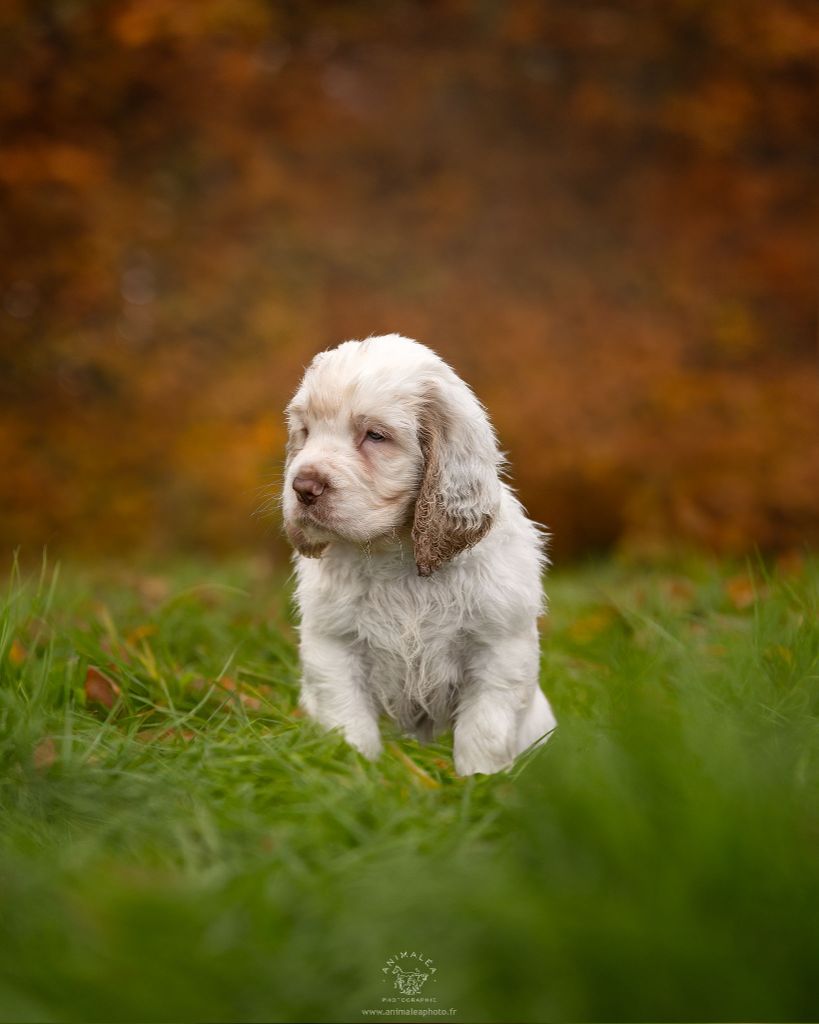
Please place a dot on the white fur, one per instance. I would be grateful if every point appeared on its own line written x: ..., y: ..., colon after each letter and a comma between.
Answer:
x: 457, y: 647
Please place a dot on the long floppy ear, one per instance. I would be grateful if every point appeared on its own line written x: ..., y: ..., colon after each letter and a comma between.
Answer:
x: 460, y: 491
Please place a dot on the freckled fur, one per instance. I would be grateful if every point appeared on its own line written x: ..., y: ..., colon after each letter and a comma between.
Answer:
x: 423, y: 602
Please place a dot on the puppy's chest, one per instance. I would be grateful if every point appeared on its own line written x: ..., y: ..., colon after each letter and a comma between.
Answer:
x: 412, y: 651
x: 411, y: 636
x: 401, y: 617
x: 402, y: 620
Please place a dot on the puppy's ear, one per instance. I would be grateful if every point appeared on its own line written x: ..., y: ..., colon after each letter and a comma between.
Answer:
x: 460, y: 491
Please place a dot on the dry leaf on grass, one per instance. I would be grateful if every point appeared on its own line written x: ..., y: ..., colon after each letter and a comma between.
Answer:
x: 235, y: 692
x: 153, y: 589
x: 45, y: 753
x: 99, y: 689
x: 17, y: 653
x: 742, y: 591
x: 678, y: 592
x: 247, y: 700
x: 153, y: 735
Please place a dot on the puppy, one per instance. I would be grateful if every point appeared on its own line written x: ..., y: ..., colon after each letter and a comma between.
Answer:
x: 418, y: 572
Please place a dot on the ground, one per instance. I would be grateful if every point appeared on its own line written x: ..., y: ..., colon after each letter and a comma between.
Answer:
x: 178, y: 842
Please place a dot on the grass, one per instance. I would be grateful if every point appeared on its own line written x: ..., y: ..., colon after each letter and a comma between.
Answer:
x: 199, y: 851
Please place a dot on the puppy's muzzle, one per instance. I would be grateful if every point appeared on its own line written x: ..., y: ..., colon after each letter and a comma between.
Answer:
x: 309, y: 485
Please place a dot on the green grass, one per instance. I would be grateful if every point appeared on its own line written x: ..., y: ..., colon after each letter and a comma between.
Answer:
x: 200, y: 852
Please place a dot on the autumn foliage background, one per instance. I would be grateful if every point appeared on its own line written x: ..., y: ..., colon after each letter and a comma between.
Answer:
x: 602, y: 215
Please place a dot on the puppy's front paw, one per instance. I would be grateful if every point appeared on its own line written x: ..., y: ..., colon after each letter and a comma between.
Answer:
x: 366, y: 739
x: 484, y: 739
x: 474, y: 755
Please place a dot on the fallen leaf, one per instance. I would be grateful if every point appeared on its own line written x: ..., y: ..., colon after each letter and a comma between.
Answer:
x: 679, y: 593
x: 248, y: 700
x: 45, y: 753
x: 154, y: 589
x: 99, y: 689
x: 235, y: 693
x: 17, y: 653
x: 741, y: 591
x: 152, y: 735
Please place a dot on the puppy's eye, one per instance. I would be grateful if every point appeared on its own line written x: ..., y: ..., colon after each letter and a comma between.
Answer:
x: 374, y: 435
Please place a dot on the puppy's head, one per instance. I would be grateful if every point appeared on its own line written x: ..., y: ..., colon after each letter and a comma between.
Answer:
x: 384, y: 437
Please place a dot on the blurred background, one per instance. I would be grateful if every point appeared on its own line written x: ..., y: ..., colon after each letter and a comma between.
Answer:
x: 603, y: 215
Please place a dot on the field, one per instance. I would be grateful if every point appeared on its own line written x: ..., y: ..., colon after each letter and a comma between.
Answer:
x: 178, y: 843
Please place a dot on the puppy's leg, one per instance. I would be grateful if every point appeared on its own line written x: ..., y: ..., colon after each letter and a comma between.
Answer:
x: 537, y: 722
x: 333, y: 694
x: 500, y: 711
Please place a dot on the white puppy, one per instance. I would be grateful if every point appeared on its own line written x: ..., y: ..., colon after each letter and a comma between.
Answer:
x: 418, y: 571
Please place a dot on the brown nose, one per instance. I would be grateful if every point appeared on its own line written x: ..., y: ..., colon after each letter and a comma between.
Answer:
x: 308, y: 485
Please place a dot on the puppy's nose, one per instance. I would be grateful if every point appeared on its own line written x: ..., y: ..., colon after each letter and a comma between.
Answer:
x: 308, y: 485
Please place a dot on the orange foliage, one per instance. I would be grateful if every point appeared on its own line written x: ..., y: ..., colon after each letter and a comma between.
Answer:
x: 601, y: 214
x: 99, y: 689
